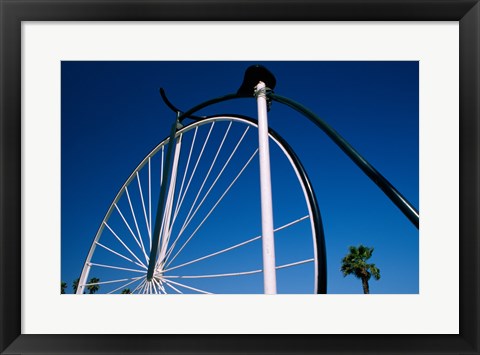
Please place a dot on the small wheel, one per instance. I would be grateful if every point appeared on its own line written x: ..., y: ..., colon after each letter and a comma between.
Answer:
x: 210, y: 239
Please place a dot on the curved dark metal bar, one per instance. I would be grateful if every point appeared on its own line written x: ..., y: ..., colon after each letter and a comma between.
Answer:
x: 173, y: 107
x: 312, y: 199
x: 167, y: 101
x: 194, y: 109
x: 401, y: 202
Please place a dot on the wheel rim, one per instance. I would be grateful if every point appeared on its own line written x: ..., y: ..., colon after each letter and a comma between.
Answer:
x: 201, y: 249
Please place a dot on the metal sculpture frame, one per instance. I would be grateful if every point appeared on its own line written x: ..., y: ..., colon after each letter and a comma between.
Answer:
x: 251, y: 76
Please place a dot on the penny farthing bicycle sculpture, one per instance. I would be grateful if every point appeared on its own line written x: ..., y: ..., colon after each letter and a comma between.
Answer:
x: 192, y: 217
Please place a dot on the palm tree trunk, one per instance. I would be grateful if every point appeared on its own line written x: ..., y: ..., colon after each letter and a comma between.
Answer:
x: 365, y: 285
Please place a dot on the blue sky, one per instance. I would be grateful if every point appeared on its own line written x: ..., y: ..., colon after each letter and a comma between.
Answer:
x: 113, y: 116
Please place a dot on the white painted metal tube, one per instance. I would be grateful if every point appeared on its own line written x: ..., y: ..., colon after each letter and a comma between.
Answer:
x: 83, y: 279
x: 268, y: 242
x: 169, y: 205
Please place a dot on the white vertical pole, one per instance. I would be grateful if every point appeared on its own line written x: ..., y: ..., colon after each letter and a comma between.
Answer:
x: 268, y: 243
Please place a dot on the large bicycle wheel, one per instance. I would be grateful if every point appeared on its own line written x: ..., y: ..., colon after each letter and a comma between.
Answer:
x: 210, y: 239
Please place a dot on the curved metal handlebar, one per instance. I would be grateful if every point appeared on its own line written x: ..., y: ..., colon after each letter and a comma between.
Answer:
x: 175, y: 108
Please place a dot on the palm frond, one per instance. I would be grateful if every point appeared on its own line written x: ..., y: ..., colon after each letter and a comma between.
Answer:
x: 354, y: 263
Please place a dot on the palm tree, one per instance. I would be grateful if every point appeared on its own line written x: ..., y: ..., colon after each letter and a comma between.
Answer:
x: 126, y: 291
x: 93, y: 288
x: 355, y: 263
x: 75, y: 285
x: 63, y: 287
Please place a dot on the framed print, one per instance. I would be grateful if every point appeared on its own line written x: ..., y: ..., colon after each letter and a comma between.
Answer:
x: 80, y: 126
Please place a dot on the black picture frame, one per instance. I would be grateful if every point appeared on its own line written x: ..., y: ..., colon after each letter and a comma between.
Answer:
x: 13, y: 12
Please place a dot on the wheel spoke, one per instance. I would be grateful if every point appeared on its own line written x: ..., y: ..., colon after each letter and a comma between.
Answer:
x: 179, y: 200
x: 295, y: 264
x: 190, y: 215
x: 213, y: 208
x: 200, y: 155
x: 173, y: 288
x: 188, y: 287
x: 214, y: 254
x: 143, y: 206
x: 156, y: 283
x: 117, y: 267
x: 214, y: 275
x: 150, y: 202
x: 112, y: 281
x: 161, y: 166
x: 199, y: 158
x: 209, y: 170
x: 162, y: 288
x: 128, y: 225
x: 235, y: 246
x: 143, y: 289
x: 125, y: 285
x: 242, y: 273
x: 121, y: 241
x: 196, y: 165
x: 124, y: 257
x: 136, y: 224
x: 159, y: 286
x: 139, y: 286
